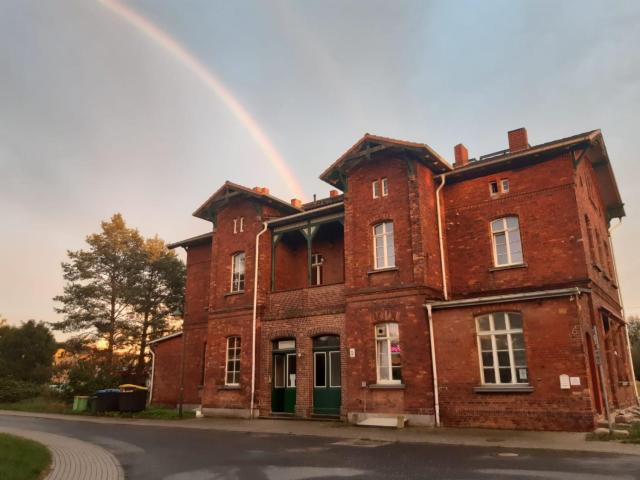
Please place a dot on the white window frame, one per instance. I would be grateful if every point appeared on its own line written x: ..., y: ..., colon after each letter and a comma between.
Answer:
x: 375, y: 189
x: 237, y: 284
x: 504, y: 185
x: 317, y: 267
x: 491, y: 184
x: 384, y: 187
x: 508, y: 232
x: 236, y: 350
x: 388, y: 338
x: 241, y: 224
x: 492, y: 333
x: 235, y: 225
x: 388, y: 246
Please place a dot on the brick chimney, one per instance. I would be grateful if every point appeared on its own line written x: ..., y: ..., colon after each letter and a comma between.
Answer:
x: 333, y: 193
x: 518, y: 139
x: 461, y: 154
x: 265, y: 191
x: 296, y: 203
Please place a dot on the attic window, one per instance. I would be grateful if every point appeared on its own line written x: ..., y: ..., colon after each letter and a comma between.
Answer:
x: 375, y: 189
x: 493, y: 188
x: 504, y: 185
x: 238, y: 225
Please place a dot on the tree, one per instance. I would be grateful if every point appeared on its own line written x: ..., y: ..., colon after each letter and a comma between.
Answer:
x: 26, y: 352
x: 159, y: 293
x: 634, y: 337
x: 101, y: 282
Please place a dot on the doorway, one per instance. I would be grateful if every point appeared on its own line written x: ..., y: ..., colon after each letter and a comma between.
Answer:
x: 283, y: 393
x: 327, y: 381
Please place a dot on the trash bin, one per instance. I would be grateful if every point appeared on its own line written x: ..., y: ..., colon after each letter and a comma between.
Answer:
x: 107, y: 400
x: 80, y: 403
x: 132, y: 398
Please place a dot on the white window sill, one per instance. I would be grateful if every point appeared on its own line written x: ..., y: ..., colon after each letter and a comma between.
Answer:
x: 380, y: 270
x: 498, y: 388
x: 390, y: 386
x: 239, y: 292
x: 508, y: 267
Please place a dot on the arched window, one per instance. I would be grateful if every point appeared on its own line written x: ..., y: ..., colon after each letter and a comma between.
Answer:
x: 501, y: 345
x: 388, y: 353
x: 232, y: 370
x: 237, y: 272
x: 384, y: 255
x: 507, y: 247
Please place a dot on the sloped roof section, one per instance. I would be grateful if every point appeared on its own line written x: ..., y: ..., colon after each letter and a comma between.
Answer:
x: 591, y: 142
x: 193, y: 241
x: 374, y: 145
x: 230, y: 190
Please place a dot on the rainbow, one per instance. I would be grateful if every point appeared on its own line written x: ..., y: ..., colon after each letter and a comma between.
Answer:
x: 211, y: 81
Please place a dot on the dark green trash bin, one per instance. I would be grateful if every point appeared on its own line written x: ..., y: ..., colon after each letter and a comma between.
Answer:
x: 132, y: 398
x: 106, y: 400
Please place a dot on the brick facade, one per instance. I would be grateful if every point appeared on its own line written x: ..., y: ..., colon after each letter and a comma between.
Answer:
x: 563, y: 196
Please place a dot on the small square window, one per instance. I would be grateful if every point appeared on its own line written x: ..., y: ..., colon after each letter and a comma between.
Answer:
x: 504, y: 184
x: 375, y: 189
x: 493, y: 188
x: 385, y: 187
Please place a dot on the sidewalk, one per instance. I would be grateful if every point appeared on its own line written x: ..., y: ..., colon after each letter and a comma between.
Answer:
x: 450, y: 436
x: 73, y: 459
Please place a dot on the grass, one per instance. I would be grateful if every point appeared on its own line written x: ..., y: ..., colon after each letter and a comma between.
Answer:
x: 22, y: 459
x: 48, y: 405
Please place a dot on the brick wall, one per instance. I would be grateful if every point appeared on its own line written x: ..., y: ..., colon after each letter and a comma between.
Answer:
x: 306, y: 301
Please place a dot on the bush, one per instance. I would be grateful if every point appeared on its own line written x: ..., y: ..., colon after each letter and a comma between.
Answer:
x: 16, y: 390
x: 85, y: 377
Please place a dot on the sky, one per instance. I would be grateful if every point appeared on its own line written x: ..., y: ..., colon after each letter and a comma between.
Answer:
x: 101, y: 113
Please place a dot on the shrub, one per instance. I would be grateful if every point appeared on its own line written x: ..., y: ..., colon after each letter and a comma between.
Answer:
x: 85, y: 377
x: 16, y: 390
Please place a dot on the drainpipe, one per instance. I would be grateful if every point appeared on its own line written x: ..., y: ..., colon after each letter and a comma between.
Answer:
x: 255, y: 314
x: 153, y: 371
x: 626, y: 324
x: 434, y: 369
x: 442, y: 266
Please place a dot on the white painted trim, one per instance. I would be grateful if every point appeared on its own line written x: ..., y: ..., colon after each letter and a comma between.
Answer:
x: 375, y: 193
x: 331, y: 385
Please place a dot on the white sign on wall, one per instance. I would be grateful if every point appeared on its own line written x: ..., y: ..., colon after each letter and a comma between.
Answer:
x: 575, y: 381
x: 565, y: 382
x: 352, y: 352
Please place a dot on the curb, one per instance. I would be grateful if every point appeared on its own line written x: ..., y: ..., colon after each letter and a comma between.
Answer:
x: 73, y: 459
x: 559, y: 441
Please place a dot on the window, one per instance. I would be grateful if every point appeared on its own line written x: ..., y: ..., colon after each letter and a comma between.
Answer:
x: 493, y: 188
x: 507, y: 248
x: 388, y: 364
x: 317, y: 262
x: 375, y: 189
x: 232, y: 372
x: 237, y: 272
x: 238, y: 225
x: 384, y: 256
x: 504, y: 185
x: 501, y: 347
x: 385, y: 187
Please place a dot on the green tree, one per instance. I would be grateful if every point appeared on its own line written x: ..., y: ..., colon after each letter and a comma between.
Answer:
x: 26, y: 352
x: 100, y: 285
x: 634, y: 337
x: 158, y: 294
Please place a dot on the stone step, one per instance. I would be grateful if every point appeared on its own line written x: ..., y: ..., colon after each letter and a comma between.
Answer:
x: 383, y: 421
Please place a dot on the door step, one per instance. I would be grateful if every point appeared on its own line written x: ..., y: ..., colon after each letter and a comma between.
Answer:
x: 398, y: 421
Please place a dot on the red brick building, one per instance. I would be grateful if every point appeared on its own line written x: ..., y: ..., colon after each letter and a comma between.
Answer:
x: 483, y: 294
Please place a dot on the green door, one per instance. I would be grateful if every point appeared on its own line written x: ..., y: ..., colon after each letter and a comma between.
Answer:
x: 283, y: 393
x: 327, y: 392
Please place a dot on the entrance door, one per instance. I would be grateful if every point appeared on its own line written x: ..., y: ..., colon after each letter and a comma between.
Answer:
x: 283, y: 393
x: 327, y: 395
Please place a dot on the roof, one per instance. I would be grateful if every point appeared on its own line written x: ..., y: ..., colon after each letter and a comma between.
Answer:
x: 229, y: 190
x: 370, y: 145
x: 167, y: 337
x: 192, y: 241
x: 322, y: 202
x: 592, y: 140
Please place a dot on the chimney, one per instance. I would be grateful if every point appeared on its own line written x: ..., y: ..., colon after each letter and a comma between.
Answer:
x: 462, y: 155
x: 333, y: 193
x: 296, y: 203
x: 518, y: 139
x: 265, y: 191
x: 257, y: 189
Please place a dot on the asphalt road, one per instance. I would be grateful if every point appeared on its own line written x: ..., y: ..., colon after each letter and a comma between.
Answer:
x: 184, y: 454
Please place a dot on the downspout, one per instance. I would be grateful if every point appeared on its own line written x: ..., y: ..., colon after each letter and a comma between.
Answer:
x: 624, y: 318
x: 434, y: 369
x: 255, y: 314
x: 153, y: 371
x: 442, y: 266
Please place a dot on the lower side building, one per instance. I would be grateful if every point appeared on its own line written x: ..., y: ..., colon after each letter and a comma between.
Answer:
x: 542, y: 360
